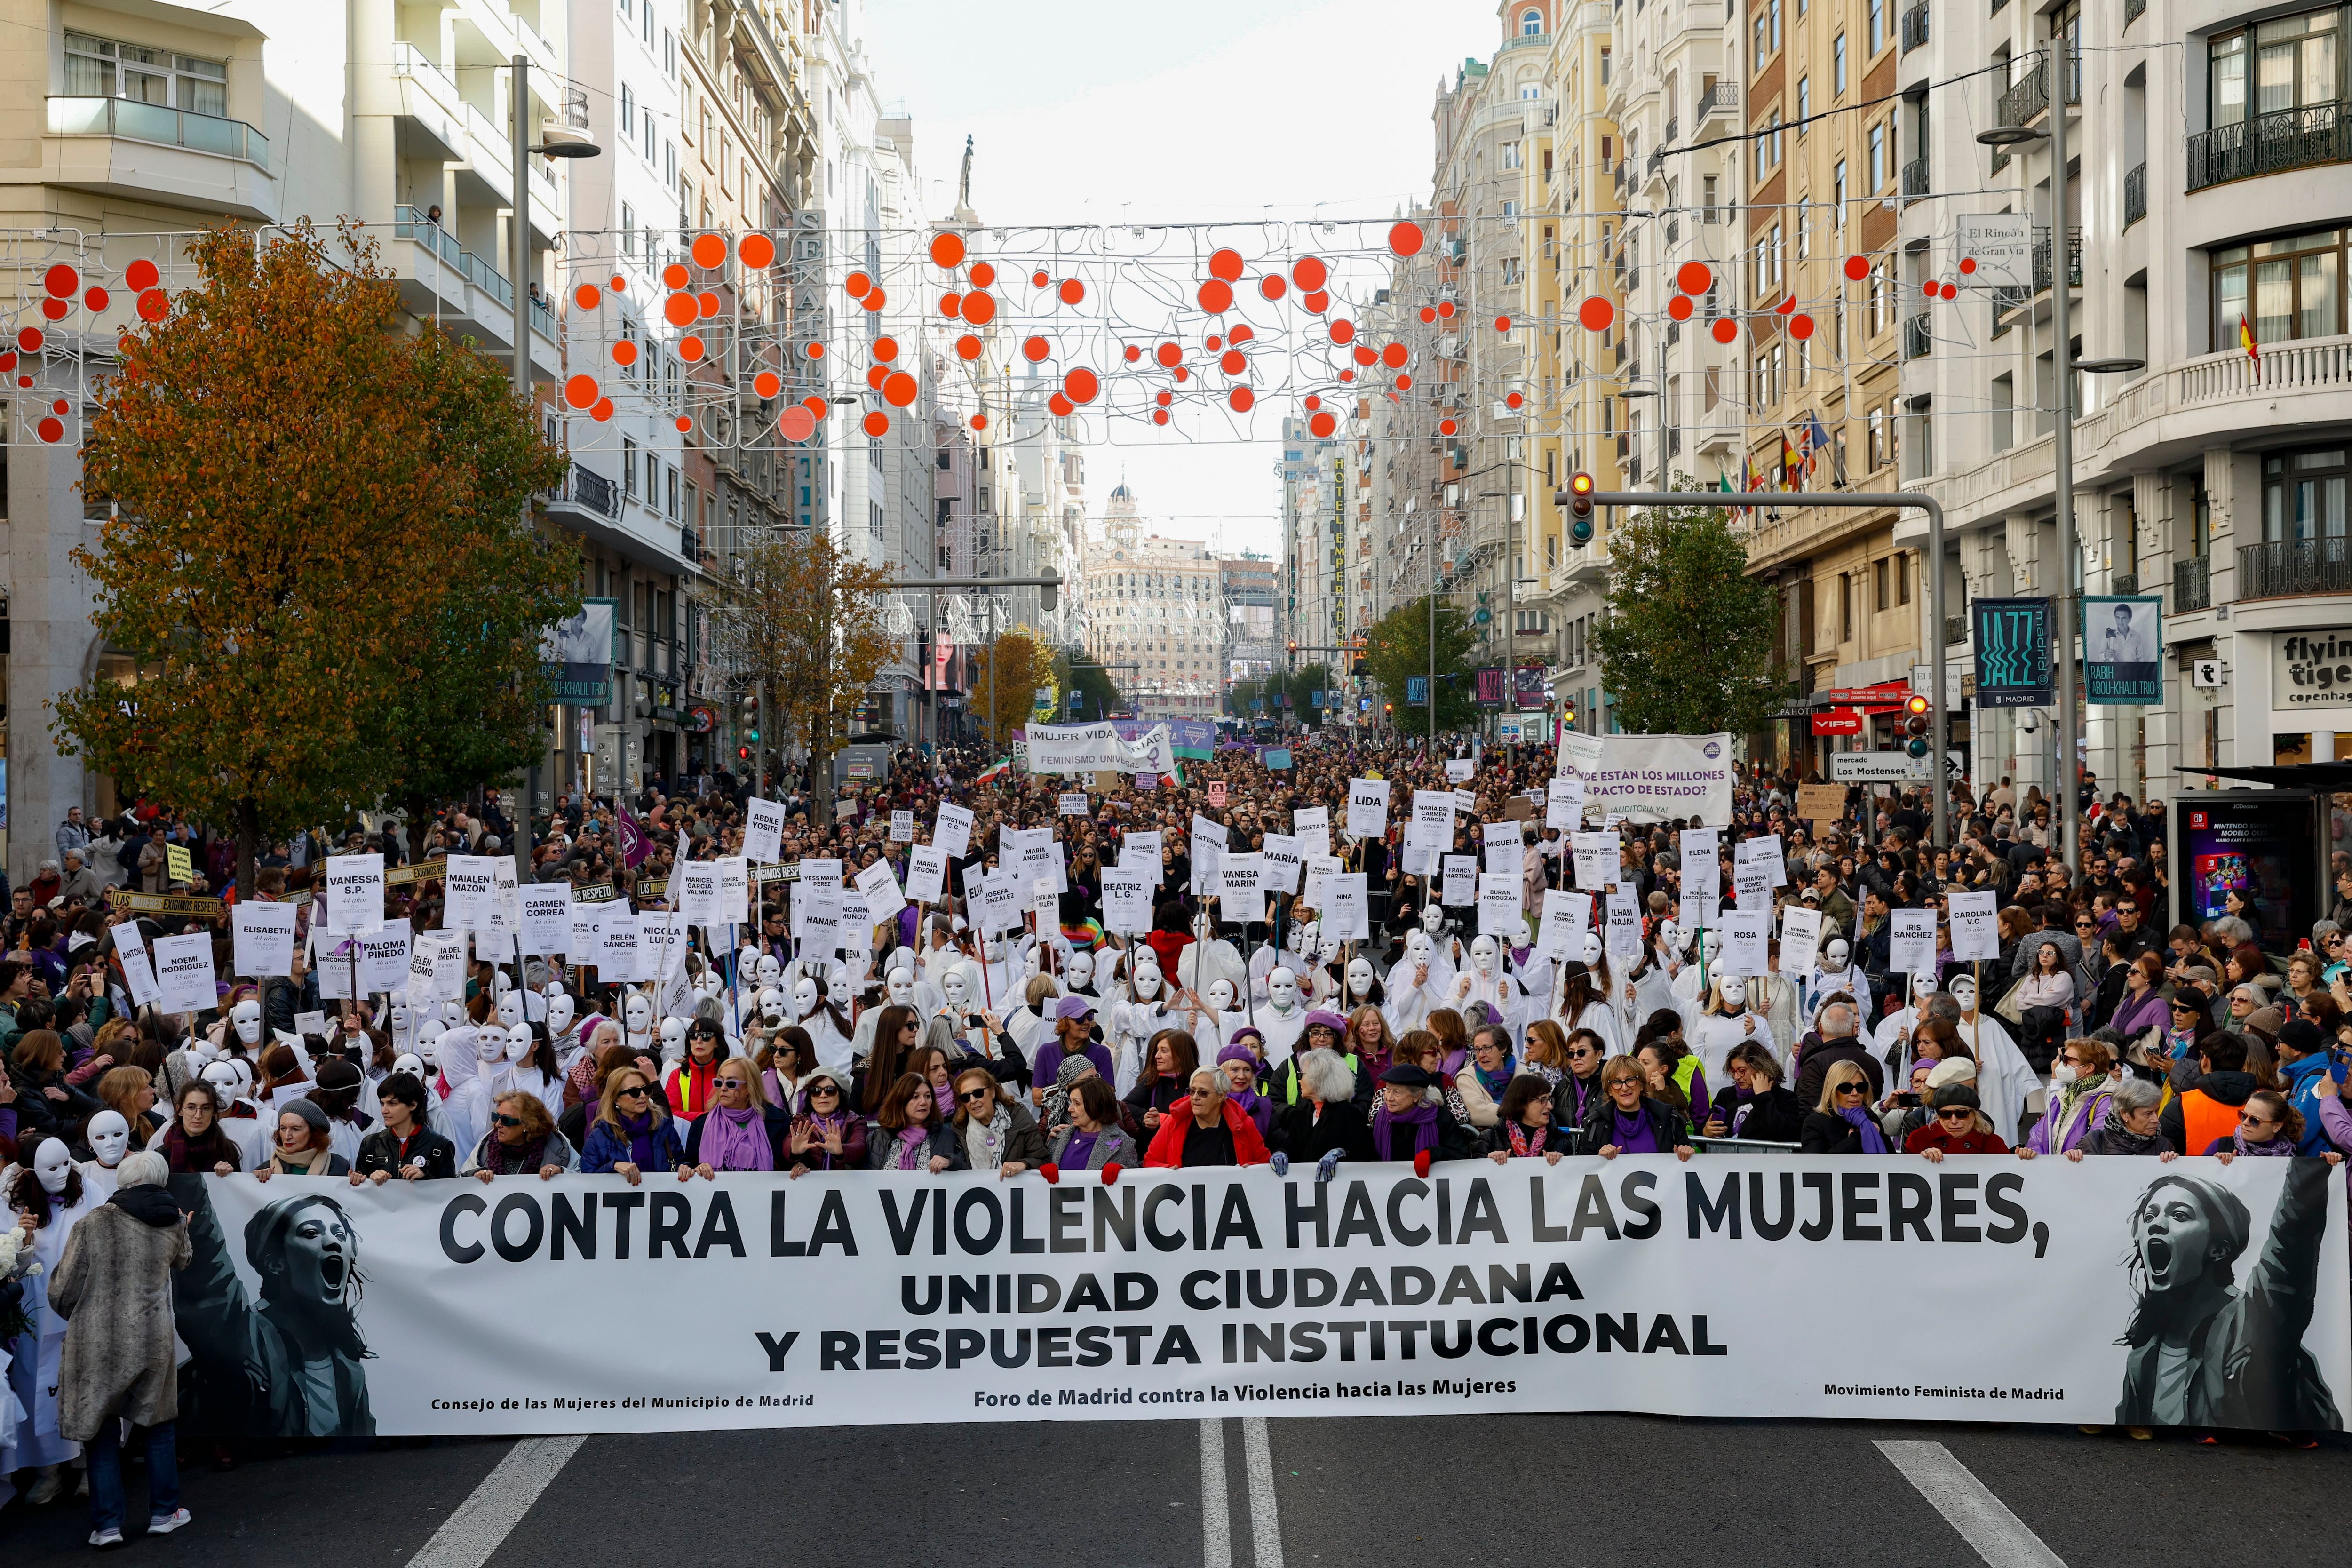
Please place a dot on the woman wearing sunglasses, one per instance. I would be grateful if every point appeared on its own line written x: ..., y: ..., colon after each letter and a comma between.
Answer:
x: 1957, y: 1126
x: 522, y: 1141
x: 998, y: 1134
x: 1841, y: 1122
x: 742, y: 1131
x: 632, y: 1133
x: 826, y: 1135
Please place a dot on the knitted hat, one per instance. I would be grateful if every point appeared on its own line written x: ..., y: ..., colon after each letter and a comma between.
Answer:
x: 312, y: 1114
x: 1238, y: 1054
x: 1957, y: 1094
x: 2265, y: 1022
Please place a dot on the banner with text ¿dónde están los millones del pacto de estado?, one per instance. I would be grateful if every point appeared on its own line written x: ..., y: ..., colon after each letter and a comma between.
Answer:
x: 2112, y: 1289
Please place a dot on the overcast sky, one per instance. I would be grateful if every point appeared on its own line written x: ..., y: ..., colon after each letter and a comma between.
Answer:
x: 1210, y: 111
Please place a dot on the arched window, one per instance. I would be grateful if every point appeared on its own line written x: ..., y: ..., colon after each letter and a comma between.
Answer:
x: 1531, y: 23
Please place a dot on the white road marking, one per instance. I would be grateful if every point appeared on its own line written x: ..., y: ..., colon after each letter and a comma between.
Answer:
x: 1266, y: 1522
x: 1968, y: 1506
x: 467, y: 1537
x: 1216, y: 1525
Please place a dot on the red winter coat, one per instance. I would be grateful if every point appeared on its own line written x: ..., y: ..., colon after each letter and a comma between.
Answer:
x: 1167, y: 944
x: 1168, y: 1145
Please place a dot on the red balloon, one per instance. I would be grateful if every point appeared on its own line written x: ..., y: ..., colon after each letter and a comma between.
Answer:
x: 979, y: 309
x: 1595, y: 314
x: 1062, y: 406
x: 1241, y: 399
x: 1081, y: 385
x: 1242, y: 333
x: 1234, y: 362
x: 1160, y: 417
x: 899, y: 389
x: 1169, y: 355
x: 1272, y: 285
x: 1225, y: 264
x: 141, y: 275
x: 1694, y: 277
x: 1857, y: 267
x: 1034, y: 348
x: 1428, y: 314
x: 1319, y: 302
x: 1072, y: 290
x: 1394, y: 356
x: 1313, y: 403
x: 1405, y: 384
x: 877, y: 423
x: 1801, y: 327
x: 1447, y: 426
x: 1322, y: 424
x: 1133, y: 353
x: 1726, y: 330
x: 1405, y: 238
x: 62, y: 281
x: 969, y: 347
x: 982, y: 274
x: 1679, y: 308
x: 1310, y: 273
x: 796, y: 424
x: 1216, y: 296
x: 1341, y: 332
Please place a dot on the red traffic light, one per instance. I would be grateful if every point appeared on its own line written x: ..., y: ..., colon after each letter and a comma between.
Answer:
x: 1916, y: 705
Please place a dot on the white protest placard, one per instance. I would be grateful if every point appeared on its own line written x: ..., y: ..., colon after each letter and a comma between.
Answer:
x: 1801, y: 940
x: 731, y: 905
x: 1500, y: 903
x: 1074, y: 804
x: 1434, y: 807
x: 763, y: 831
x: 330, y: 963
x: 1030, y: 853
x: 1762, y: 850
x: 1140, y: 851
x: 902, y: 827
x: 695, y: 889
x: 1459, y: 769
x: 1459, y: 888
x: 184, y: 981
x: 1346, y: 907
x: 1466, y: 803
x: 621, y: 956
x: 1564, y: 803
x: 547, y: 919
x: 926, y: 871
x: 1745, y: 950
x: 1976, y: 924
x: 878, y: 886
x: 1043, y: 902
x: 437, y: 967
x: 1911, y: 944
x: 1279, y: 863
x: 953, y: 830
x: 138, y: 968
x: 262, y: 940
x: 1567, y: 916
x: 1126, y: 901
x: 1208, y: 847
x: 1239, y: 895
x: 384, y: 957
x: 1505, y: 848
x: 662, y: 940
x: 1311, y: 825
x: 1423, y: 844
x: 502, y: 912
x: 1595, y: 858
x: 466, y: 888
x: 1000, y: 903
x: 1316, y: 870
x: 354, y: 892
x: 307, y: 1025
x: 1751, y: 886
x: 1623, y: 939
x: 1368, y: 808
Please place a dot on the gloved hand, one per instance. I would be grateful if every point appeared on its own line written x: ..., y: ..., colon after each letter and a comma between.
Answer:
x: 1328, y: 1165
x: 1280, y: 1161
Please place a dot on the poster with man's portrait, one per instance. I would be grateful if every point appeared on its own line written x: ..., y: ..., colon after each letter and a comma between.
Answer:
x: 578, y: 655
x: 2123, y: 650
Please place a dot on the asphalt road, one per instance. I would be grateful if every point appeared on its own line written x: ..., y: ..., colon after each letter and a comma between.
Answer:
x: 1593, y: 1491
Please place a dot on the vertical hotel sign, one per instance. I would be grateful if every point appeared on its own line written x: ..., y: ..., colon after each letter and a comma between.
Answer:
x: 2012, y: 646
x: 1338, y: 548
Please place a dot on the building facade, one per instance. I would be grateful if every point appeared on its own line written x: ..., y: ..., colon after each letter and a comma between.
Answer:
x: 1155, y: 615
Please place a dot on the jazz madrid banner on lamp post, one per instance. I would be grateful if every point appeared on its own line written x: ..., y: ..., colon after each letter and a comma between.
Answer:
x: 1995, y: 1290
x: 2123, y: 650
x: 2012, y: 648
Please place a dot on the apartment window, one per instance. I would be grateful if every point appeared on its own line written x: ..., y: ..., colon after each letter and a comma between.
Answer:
x: 628, y: 229
x: 2303, y: 494
x: 670, y: 53
x: 1837, y: 193
x: 1804, y: 101
x: 104, y: 67
x: 874, y: 519
x: 1882, y: 296
x: 2296, y: 62
x: 1877, y: 26
x: 669, y: 164
x: 1604, y: 74
x: 873, y: 452
x: 1878, y: 157
x: 1903, y: 578
x: 1845, y: 606
x: 1531, y: 25
x: 1761, y: 52
x: 2296, y: 287
x: 653, y: 479
x: 2004, y: 412
x: 628, y: 468
x: 1510, y: 155
x: 1881, y: 571
x: 1837, y: 66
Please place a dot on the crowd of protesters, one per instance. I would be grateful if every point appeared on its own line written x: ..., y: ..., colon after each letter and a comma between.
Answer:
x: 2100, y: 1030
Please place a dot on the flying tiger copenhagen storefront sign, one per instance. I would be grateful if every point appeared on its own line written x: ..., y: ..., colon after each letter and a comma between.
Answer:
x: 2114, y: 1290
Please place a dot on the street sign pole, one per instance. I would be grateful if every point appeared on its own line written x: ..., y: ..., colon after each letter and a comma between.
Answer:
x: 1940, y: 833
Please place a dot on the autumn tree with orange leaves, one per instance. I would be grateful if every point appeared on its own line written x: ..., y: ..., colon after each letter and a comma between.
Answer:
x: 305, y: 498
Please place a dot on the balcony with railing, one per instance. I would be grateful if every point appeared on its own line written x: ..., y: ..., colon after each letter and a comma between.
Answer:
x: 106, y: 146
x: 1915, y: 176
x: 2306, y: 138
x: 2192, y: 585
x: 1914, y: 27
x: 1720, y: 97
x: 2136, y: 195
x: 587, y: 490
x: 2286, y: 568
x: 1918, y: 338
x: 2030, y: 98
x: 1956, y: 630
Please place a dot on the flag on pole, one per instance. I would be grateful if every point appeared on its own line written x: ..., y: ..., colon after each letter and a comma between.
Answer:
x: 2246, y: 341
x: 1817, y: 438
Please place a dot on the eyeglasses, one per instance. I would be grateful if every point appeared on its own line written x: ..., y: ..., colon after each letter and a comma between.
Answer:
x: 2184, y: 1007
x: 506, y: 1121
x: 727, y: 1083
x: 823, y: 1088
x: 640, y: 1092
x: 2250, y: 1119
x: 971, y: 1095
x: 1853, y: 1088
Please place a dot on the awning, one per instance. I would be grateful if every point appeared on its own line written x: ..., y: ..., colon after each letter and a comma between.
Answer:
x: 2328, y: 777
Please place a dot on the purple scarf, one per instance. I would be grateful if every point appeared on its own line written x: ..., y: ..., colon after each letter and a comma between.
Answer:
x: 643, y: 1150
x: 1872, y: 1141
x: 909, y: 1154
x: 737, y: 1140
x: 1633, y: 1134
x: 1421, y: 1118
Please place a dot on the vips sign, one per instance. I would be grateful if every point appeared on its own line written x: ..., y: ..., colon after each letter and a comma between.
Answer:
x: 1999, y: 1291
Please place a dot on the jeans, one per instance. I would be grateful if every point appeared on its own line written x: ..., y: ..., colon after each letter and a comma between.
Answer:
x: 104, y: 1454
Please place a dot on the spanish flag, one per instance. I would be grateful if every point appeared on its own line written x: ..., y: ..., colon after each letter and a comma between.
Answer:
x: 1787, y: 462
x: 2246, y: 341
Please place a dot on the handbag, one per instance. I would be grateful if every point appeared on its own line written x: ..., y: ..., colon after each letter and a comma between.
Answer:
x: 2012, y: 1007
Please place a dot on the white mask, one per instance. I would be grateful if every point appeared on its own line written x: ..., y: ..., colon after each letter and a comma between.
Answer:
x: 1282, y: 990
x: 1220, y: 995
x: 201, y: 1051
x: 992, y: 949
x: 52, y: 1164
x: 1359, y: 977
x: 769, y: 971
x: 1734, y: 993
x: 519, y: 1042
x: 246, y: 1017
x: 1417, y: 946
x: 956, y: 987
x: 408, y: 1062
x: 228, y: 1078
x: 637, y: 1014
x: 1433, y: 918
x: 1080, y: 971
x: 1525, y: 936
x: 1922, y: 987
x: 1484, y: 952
x: 1964, y: 992
x: 1840, y: 954
x: 902, y: 987
x: 1710, y: 943
x: 1147, y: 981
x: 109, y: 1138
x: 558, y: 1011
x: 1591, y: 949
x: 772, y: 1008
x: 673, y: 1034
x: 490, y: 1045
x: 401, y: 1018
x: 804, y: 996
x: 501, y: 982
x: 452, y: 1014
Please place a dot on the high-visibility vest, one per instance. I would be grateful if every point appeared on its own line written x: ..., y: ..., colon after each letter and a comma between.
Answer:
x: 2204, y: 1119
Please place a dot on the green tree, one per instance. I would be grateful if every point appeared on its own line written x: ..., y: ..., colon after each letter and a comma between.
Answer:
x: 1691, y: 643
x: 294, y: 482
x: 1396, y: 650
x: 1075, y: 669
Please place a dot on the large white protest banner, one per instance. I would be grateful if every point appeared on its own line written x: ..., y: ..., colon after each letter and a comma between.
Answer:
x: 262, y: 944
x: 1097, y: 748
x: 1652, y: 777
x: 1634, y: 1284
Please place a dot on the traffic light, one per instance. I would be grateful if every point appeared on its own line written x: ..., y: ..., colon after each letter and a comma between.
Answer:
x: 1568, y: 714
x: 1579, y: 508
x: 752, y: 736
x: 1915, y: 724
x: 742, y: 754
